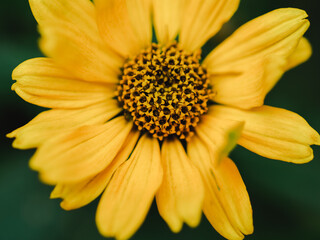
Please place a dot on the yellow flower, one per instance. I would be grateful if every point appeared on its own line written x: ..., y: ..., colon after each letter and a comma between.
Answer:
x: 136, y: 120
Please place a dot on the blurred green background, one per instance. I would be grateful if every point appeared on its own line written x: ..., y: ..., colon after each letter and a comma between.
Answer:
x: 285, y: 197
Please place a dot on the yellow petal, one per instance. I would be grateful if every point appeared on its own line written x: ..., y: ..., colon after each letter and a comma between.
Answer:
x: 227, y: 204
x: 79, y: 154
x: 273, y: 132
x: 70, y: 35
x: 181, y: 194
x: 203, y: 19
x: 81, y: 193
x: 127, y: 199
x: 301, y: 54
x: 167, y: 15
x: 244, y: 90
x: 219, y: 135
x: 53, y: 122
x: 125, y: 25
x: 40, y: 81
x: 266, y: 42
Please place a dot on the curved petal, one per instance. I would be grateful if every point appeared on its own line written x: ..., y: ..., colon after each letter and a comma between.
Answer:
x: 81, y: 193
x: 167, y: 15
x: 203, y: 19
x: 125, y: 25
x: 227, y: 204
x: 80, y: 154
x: 180, y: 196
x: 301, y: 54
x: 266, y: 43
x: 245, y: 90
x: 127, y: 199
x: 53, y: 122
x: 70, y: 36
x: 273, y: 132
x: 219, y: 135
x: 40, y: 81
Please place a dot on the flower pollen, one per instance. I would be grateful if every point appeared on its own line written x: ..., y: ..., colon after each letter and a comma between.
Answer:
x: 165, y: 90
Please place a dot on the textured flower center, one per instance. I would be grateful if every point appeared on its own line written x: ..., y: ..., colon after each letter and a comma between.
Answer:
x: 165, y: 90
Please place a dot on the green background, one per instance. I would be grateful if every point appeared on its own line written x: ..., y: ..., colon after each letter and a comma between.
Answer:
x: 285, y: 197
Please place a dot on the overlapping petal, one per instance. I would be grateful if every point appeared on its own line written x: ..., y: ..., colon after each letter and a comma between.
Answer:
x: 203, y: 19
x: 80, y: 154
x: 81, y: 193
x: 273, y: 132
x: 56, y: 121
x: 219, y: 135
x: 42, y: 82
x: 180, y: 197
x: 266, y: 43
x: 125, y: 25
x: 70, y: 36
x: 127, y: 199
x: 227, y: 204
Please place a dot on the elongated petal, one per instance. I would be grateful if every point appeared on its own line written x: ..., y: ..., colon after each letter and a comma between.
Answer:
x: 70, y: 35
x: 168, y: 17
x: 181, y: 194
x: 203, y: 19
x: 125, y: 25
x: 40, y: 81
x: 219, y: 135
x: 266, y: 42
x: 82, y: 153
x: 127, y: 199
x: 273, y: 132
x: 226, y: 205
x: 81, y: 193
x: 53, y: 122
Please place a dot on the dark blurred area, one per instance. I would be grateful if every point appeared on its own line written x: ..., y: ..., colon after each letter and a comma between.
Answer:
x: 285, y: 197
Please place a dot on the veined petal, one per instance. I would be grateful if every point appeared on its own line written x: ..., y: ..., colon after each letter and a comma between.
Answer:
x: 167, y: 15
x: 203, y: 19
x: 127, y: 199
x: 227, y: 204
x: 53, y: 122
x: 125, y: 25
x: 80, y: 154
x: 266, y: 42
x: 81, y: 193
x: 273, y: 132
x: 219, y: 135
x: 180, y: 196
x: 40, y: 81
x: 70, y: 36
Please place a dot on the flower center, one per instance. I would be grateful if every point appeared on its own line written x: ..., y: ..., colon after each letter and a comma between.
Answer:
x: 165, y: 90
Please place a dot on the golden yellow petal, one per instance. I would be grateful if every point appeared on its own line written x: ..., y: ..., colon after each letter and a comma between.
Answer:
x: 301, y: 54
x: 70, y: 35
x: 226, y: 205
x: 180, y: 196
x: 80, y: 154
x: 81, y: 193
x: 203, y: 19
x: 266, y: 42
x: 127, y: 199
x: 167, y: 15
x: 244, y: 90
x: 125, y: 25
x: 40, y: 81
x: 273, y: 132
x: 53, y: 122
x: 220, y: 136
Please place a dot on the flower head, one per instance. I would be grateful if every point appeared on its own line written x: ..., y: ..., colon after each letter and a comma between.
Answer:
x: 133, y: 118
